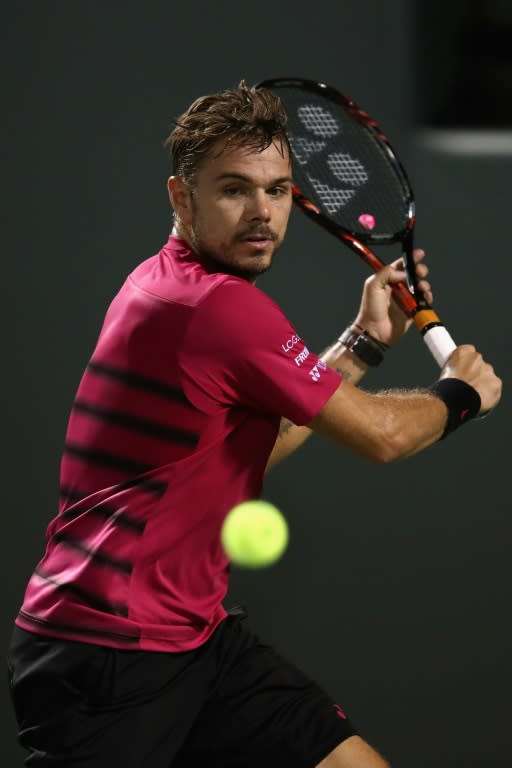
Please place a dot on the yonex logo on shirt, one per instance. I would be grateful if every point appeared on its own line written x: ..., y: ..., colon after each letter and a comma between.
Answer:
x: 315, y: 371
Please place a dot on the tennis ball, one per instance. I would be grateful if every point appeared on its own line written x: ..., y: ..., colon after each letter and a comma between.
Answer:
x: 254, y: 534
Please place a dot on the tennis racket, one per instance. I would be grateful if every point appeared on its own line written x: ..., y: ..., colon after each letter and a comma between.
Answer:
x: 349, y: 180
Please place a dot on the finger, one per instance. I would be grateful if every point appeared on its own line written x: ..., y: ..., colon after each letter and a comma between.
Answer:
x: 394, y: 273
x: 418, y: 256
x: 421, y: 270
x: 426, y: 290
x: 392, y: 276
x: 398, y: 264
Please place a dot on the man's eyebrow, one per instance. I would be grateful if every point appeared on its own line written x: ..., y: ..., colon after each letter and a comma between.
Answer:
x: 248, y: 180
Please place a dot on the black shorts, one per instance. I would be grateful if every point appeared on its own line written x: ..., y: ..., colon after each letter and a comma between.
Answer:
x: 232, y: 703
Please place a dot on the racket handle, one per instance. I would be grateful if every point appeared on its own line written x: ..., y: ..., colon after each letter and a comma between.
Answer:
x: 435, y: 335
x: 440, y: 344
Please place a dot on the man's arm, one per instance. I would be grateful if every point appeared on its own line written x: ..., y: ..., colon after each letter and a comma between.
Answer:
x: 382, y: 427
x: 393, y: 424
x: 290, y: 436
x: 376, y: 313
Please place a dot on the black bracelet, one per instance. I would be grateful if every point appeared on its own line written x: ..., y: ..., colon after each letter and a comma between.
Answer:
x: 380, y: 344
x: 363, y: 345
x: 461, y: 399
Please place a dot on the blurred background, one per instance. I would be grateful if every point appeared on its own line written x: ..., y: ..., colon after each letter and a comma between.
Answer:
x: 395, y: 592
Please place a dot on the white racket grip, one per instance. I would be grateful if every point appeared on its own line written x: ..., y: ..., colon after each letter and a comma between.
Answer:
x: 440, y: 343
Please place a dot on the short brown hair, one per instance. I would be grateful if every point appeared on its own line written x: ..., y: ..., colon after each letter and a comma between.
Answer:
x: 244, y: 117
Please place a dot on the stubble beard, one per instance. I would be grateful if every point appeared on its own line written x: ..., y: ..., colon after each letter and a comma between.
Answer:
x: 220, y: 259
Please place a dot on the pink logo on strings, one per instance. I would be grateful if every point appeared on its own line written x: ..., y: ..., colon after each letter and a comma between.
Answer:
x: 367, y: 220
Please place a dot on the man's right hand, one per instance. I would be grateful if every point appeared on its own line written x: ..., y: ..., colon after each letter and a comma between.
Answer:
x: 467, y: 364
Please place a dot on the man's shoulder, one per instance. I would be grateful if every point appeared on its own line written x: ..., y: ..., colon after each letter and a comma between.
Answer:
x: 238, y: 302
x: 175, y: 275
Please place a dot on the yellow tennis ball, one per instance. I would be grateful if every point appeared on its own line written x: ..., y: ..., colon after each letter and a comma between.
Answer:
x: 254, y: 534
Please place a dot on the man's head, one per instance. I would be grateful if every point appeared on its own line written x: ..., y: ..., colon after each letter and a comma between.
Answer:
x: 231, y: 188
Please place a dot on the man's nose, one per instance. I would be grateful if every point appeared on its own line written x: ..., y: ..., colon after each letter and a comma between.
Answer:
x: 258, y: 208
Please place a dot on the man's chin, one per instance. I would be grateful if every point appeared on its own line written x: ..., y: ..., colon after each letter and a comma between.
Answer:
x: 247, y: 267
x: 247, y: 270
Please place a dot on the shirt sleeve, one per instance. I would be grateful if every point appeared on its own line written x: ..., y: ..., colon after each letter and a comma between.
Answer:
x: 240, y: 349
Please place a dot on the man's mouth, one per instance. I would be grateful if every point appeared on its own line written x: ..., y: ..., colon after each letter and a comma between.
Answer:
x: 259, y: 237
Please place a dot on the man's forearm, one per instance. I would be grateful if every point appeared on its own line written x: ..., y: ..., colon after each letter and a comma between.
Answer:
x: 290, y: 436
x: 346, y: 363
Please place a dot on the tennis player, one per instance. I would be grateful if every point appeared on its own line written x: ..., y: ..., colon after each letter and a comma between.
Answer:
x: 123, y: 653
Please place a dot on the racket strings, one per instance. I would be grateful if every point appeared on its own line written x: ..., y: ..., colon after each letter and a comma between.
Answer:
x: 332, y: 198
x: 304, y: 148
x: 318, y: 120
x: 347, y: 169
x: 341, y: 166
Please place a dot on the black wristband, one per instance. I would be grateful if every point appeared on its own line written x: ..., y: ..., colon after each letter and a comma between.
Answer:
x: 363, y: 345
x: 380, y: 344
x: 461, y: 399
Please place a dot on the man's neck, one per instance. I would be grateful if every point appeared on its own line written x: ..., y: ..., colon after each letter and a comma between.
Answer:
x: 180, y: 231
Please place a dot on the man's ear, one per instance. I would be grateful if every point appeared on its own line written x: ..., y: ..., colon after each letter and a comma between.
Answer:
x: 180, y: 197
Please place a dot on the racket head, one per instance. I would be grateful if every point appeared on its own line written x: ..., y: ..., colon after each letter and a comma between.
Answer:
x: 347, y: 176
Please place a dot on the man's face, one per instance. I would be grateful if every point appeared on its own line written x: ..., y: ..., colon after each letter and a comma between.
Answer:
x: 239, y: 208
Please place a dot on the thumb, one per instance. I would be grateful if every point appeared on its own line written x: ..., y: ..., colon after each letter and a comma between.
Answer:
x: 395, y: 272
x: 389, y: 275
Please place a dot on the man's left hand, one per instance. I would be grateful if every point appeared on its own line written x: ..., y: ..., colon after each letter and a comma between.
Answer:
x: 378, y: 313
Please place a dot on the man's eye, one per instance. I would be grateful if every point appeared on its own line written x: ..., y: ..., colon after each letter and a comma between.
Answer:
x: 277, y: 191
x: 232, y: 191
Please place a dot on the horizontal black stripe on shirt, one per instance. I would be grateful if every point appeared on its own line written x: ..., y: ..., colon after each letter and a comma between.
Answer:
x: 106, y: 512
x: 117, y: 609
x: 137, y: 424
x: 77, y: 629
x: 95, y: 555
x: 138, y: 381
x: 106, y: 459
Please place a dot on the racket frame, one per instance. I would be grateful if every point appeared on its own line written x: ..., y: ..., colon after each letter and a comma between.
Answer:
x: 407, y: 294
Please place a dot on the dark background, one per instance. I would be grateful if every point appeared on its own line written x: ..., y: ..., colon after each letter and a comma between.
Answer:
x: 395, y: 592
